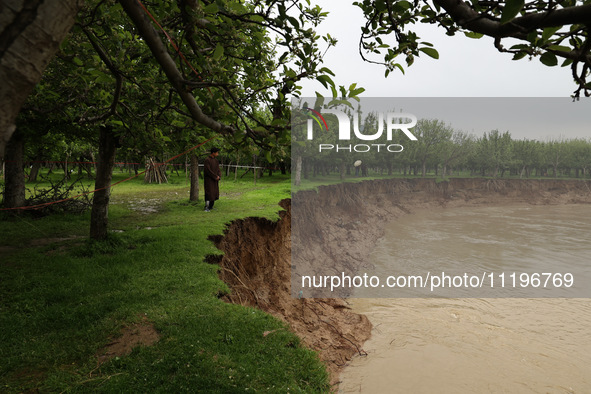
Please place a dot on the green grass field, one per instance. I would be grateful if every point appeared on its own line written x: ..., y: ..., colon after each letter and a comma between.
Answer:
x: 63, y: 298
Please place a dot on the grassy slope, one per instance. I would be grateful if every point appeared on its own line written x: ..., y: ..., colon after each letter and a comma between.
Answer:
x: 59, y: 305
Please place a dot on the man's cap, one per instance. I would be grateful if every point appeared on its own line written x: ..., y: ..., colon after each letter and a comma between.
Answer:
x: 214, y: 149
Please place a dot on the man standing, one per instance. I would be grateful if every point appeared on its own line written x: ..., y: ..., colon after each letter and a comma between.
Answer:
x: 211, y: 177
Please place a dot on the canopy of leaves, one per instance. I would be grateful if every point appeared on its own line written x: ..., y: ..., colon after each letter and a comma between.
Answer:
x: 556, y: 32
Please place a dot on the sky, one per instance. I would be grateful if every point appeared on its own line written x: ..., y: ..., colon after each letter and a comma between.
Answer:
x: 466, y: 68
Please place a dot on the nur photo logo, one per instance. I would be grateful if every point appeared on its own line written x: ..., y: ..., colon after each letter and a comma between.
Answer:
x: 390, y: 122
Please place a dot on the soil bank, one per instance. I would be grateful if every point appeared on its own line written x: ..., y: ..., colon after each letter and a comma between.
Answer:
x: 341, y: 223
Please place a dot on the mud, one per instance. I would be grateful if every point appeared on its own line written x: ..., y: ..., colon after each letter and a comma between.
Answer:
x: 141, y: 333
x: 341, y: 223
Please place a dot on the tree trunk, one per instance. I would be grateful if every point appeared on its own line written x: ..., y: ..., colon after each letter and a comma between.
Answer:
x: 194, y: 192
x: 298, y: 171
x: 66, y: 169
x: 99, y: 217
x: 14, y: 176
x: 30, y: 34
x: 254, y: 169
x: 36, y: 166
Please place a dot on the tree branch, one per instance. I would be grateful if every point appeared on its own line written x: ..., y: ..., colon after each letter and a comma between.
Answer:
x: 114, y: 70
x: 158, y: 49
x: 463, y: 14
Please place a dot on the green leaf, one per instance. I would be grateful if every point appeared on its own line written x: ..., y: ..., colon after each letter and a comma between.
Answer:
x: 567, y: 62
x: 511, y: 9
x: 333, y: 91
x: 236, y: 7
x: 218, y: 53
x: 560, y: 48
x: 343, y: 91
x: 294, y: 22
x: 211, y: 9
x: 549, y: 32
x: 326, y: 70
x: 401, y: 6
x: 549, y: 59
x: 430, y: 52
x: 520, y: 46
x: 78, y: 61
x: 519, y: 55
x: 325, y: 80
x: 356, y: 92
x: 471, y: 34
x: 269, y: 157
x: 103, y: 78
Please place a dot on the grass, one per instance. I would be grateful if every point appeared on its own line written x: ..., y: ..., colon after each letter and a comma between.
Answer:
x: 62, y: 300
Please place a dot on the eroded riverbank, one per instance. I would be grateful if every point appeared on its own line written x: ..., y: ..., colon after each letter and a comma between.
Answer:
x: 334, y: 230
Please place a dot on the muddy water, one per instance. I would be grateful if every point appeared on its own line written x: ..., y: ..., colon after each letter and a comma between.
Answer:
x: 474, y: 345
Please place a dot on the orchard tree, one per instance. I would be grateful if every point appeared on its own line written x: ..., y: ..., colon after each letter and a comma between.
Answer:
x: 494, y: 152
x: 223, y: 70
x: 455, y: 150
x: 527, y: 154
x: 431, y: 136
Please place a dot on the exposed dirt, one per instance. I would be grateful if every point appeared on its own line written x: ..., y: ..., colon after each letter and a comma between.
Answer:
x: 341, y: 223
x: 141, y: 333
x: 256, y: 265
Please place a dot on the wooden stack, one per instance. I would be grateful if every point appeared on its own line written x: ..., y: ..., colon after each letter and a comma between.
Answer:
x: 155, y: 173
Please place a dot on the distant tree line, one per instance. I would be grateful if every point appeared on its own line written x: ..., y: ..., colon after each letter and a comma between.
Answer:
x: 442, y: 151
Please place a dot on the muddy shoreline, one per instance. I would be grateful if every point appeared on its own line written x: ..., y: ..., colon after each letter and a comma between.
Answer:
x: 341, y: 223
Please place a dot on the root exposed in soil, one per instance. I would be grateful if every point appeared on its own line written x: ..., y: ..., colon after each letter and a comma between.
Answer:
x: 256, y: 266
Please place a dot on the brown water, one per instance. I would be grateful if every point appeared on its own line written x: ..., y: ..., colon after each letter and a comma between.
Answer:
x: 474, y: 345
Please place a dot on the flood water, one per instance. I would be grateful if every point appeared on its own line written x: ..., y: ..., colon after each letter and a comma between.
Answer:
x: 475, y: 345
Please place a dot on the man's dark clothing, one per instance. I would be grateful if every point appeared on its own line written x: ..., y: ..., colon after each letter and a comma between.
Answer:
x: 211, y: 171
